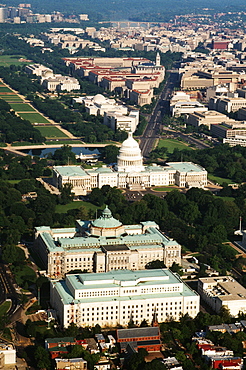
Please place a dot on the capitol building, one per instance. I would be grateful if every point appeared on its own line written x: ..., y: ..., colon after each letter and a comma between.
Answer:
x: 130, y: 173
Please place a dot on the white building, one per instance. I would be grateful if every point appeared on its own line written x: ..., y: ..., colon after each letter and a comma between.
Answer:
x: 7, y: 355
x: 103, y: 245
x: 38, y: 70
x: 116, y: 116
x: 226, y: 104
x: 150, y: 67
x: 186, y: 107
x: 60, y: 83
x: 130, y: 173
x: 99, y: 104
x: 70, y: 364
x: 223, y: 291
x: 172, y: 363
x: 116, y: 297
x: 118, y: 121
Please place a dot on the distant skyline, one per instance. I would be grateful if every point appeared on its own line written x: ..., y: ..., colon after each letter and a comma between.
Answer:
x: 125, y: 9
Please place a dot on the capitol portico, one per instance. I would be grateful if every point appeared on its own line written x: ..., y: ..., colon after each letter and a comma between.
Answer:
x: 130, y: 173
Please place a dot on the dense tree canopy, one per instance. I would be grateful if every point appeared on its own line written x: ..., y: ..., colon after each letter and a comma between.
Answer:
x: 222, y: 160
x: 13, y: 128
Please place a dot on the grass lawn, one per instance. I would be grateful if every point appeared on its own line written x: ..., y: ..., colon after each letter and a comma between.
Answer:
x: 171, y: 144
x: 34, y: 117
x: 62, y: 142
x: 5, y: 306
x: 5, y: 89
x: 60, y: 208
x: 228, y: 199
x: 49, y: 131
x: 22, y: 107
x: 24, y: 143
x: 7, y: 60
x: 164, y: 188
x: 219, y: 180
x: 14, y: 182
x: 11, y: 98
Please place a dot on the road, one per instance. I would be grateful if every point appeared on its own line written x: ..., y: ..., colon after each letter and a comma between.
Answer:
x: 151, y: 133
x: 7, y: 289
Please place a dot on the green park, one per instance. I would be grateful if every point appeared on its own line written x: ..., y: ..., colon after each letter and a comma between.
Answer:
x: 8, y: 60
x: 22, y: 107
x: 51, y: 132
x: 34, y: 117
x: 172, y: 144
x: 219, y: 180
x: 5, y: 89
x: 164, y: 188
x: 63, y: 208
x: 11, y: 98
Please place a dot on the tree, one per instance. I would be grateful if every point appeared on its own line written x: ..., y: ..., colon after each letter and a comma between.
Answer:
x: 12, y: 254
x: 66, y: 193
x: 26, y: 185
x: 225, y: 314
x: 64, y: 155
x: 176, y: 268
x: 144, y: 324
x: 136, y: 359
x: 42, y: 358
x: 96, y: 197
x: 157, y: 264
x: 110, y: 153
x: 72, y: 330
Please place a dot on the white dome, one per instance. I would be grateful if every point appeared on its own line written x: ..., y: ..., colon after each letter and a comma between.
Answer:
x: 130, y: 144
x: 130, y: 158
x: 99, y: 99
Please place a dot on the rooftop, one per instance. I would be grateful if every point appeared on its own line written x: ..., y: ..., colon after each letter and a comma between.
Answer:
x: 225, y: 288
x: 70, y: 171
x: 117, y: 278
x: 138, y: 332
x: 185, y: 166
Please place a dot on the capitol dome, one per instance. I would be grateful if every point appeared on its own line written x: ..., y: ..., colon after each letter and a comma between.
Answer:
x: 130, y: 158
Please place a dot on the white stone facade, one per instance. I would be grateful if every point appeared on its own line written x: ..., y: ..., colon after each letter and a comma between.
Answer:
x: 116, y: 297
x: 103, y: 245
x: 130, y: 173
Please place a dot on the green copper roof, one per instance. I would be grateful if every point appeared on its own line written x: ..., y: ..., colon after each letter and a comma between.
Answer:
x: 106, y: 220
x: 185, y: 167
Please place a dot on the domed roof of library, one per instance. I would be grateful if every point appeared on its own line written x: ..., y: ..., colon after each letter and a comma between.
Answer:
x: 106, y: 220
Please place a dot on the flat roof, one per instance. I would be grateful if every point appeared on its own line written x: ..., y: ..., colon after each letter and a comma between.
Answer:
x: 112, y: 279
x: 186, y: 167
x: 225, y: 288
x: 138, y: 332
x: 70, y: 171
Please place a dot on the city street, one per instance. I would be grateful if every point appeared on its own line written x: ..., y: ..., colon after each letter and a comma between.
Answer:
x: 151, y: 133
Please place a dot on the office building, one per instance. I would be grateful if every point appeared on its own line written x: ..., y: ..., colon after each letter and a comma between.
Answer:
x: 116, y: 297
x: 223, y: 291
